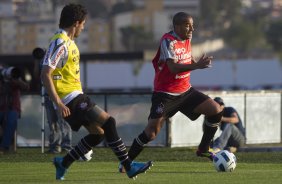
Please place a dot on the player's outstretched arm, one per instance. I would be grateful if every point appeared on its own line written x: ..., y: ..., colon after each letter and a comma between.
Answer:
x: 203, y: 62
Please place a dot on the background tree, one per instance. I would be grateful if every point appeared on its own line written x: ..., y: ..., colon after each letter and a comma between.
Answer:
x: 274, y: 36
x: 122, y: 7
x: 243, y: 36
x: 96, y: 8
x: 136, y: 38
x: 217, y: 15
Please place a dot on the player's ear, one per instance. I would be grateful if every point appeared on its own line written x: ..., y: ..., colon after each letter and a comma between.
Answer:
x: 76, y: 24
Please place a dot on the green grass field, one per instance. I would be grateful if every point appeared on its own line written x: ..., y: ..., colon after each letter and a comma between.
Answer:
x: 171, y: 165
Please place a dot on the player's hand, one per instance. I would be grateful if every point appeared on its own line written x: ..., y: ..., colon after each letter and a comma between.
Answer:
x: 63, y: 110
x: 204, y: 61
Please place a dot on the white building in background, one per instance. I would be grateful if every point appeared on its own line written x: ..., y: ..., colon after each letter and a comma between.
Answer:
x: 6, y: 8
x: 45, y: 30
x: 172, y: 6
x: 154, y: 15
x: 30, y: 21
x: 8, y: 33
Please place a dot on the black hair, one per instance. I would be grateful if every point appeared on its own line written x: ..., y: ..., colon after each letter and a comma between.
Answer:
x: 72, y: 13
x: 180, y: 17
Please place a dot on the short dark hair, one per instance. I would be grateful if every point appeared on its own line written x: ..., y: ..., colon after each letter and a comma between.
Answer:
x: 72, y: 13
x: 180, y: 17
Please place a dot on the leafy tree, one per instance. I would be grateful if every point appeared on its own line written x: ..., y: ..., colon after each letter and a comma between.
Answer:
x: 96, y: 8
x: 217, y: 15
x: 136, y: 38
x: 122, y: 7
x: 274, y: 36
x: 243, y: 36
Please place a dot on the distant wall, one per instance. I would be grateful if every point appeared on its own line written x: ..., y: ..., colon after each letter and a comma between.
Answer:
x: 224, y: 73
x: 260, y: 112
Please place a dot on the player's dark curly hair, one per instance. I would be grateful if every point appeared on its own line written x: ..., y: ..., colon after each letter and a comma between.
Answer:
x: 72, y: 13
x: 180, y: 17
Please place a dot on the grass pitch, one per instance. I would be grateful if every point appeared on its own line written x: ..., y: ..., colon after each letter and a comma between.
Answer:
x: 171, y: 165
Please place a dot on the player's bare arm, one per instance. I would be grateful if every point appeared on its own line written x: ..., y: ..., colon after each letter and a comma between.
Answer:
x: 49, y: 86
x: 203, y: 62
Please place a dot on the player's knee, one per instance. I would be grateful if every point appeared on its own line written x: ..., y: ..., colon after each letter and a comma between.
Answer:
x: 214, y: 120
x: 151, y: 133
x: 152, y: 136
x: 109, y: 124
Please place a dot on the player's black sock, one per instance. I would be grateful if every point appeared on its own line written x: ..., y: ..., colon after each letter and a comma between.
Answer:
x: 207, y: 137
x: 115, y: 142
x: 83, y: 147
x: 138, y: 145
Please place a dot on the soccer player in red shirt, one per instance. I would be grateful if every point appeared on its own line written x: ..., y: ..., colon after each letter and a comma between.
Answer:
x: 173, y: 92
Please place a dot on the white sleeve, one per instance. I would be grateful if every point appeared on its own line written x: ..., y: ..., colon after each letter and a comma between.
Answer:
x: 57, y: 52
x: 166, y: 50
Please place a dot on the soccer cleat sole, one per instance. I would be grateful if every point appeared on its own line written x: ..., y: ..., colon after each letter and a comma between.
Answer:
x: 149, y: 164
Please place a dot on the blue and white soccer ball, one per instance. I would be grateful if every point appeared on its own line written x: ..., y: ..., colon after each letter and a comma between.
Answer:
x: 224, y: 161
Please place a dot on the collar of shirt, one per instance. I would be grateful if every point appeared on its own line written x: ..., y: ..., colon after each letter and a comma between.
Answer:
x: 175, y: 35
x: 62, y: 31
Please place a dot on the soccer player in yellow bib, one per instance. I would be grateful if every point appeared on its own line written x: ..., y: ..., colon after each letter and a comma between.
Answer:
x: 61, y: 78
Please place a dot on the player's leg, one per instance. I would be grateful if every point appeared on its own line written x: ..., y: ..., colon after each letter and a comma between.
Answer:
x: 118, y: 147
x: 83, y: 147
x: 196, y: 103
x: 162, y: 106
x: 149, y: 134
x: 86, y: 144
x: 213, y: 113
x: 80, y: 108
x: 151, y: 131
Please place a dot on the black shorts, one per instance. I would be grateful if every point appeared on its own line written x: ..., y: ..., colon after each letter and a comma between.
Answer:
x: 80, y: 108
x: 165, y: 105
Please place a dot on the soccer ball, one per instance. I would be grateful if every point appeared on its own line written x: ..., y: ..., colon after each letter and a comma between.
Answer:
x: 224, y: 161
x: 87, y: 157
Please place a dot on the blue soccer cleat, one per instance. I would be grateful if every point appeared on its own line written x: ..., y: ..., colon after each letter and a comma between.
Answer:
x: 60, y: 170
x: 137, y: 168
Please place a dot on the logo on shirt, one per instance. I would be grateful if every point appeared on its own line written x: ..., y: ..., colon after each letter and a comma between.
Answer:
x: 57, y: 77
x: 182, y: 76
x: 180, y: 50
x: 58, y: 56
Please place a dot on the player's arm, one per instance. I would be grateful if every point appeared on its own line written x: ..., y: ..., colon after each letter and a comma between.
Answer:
x: 55, y: 55
x: 46, y: 75
x: 203, y: 62
x: 50, y: 88
x: 167, y: 54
